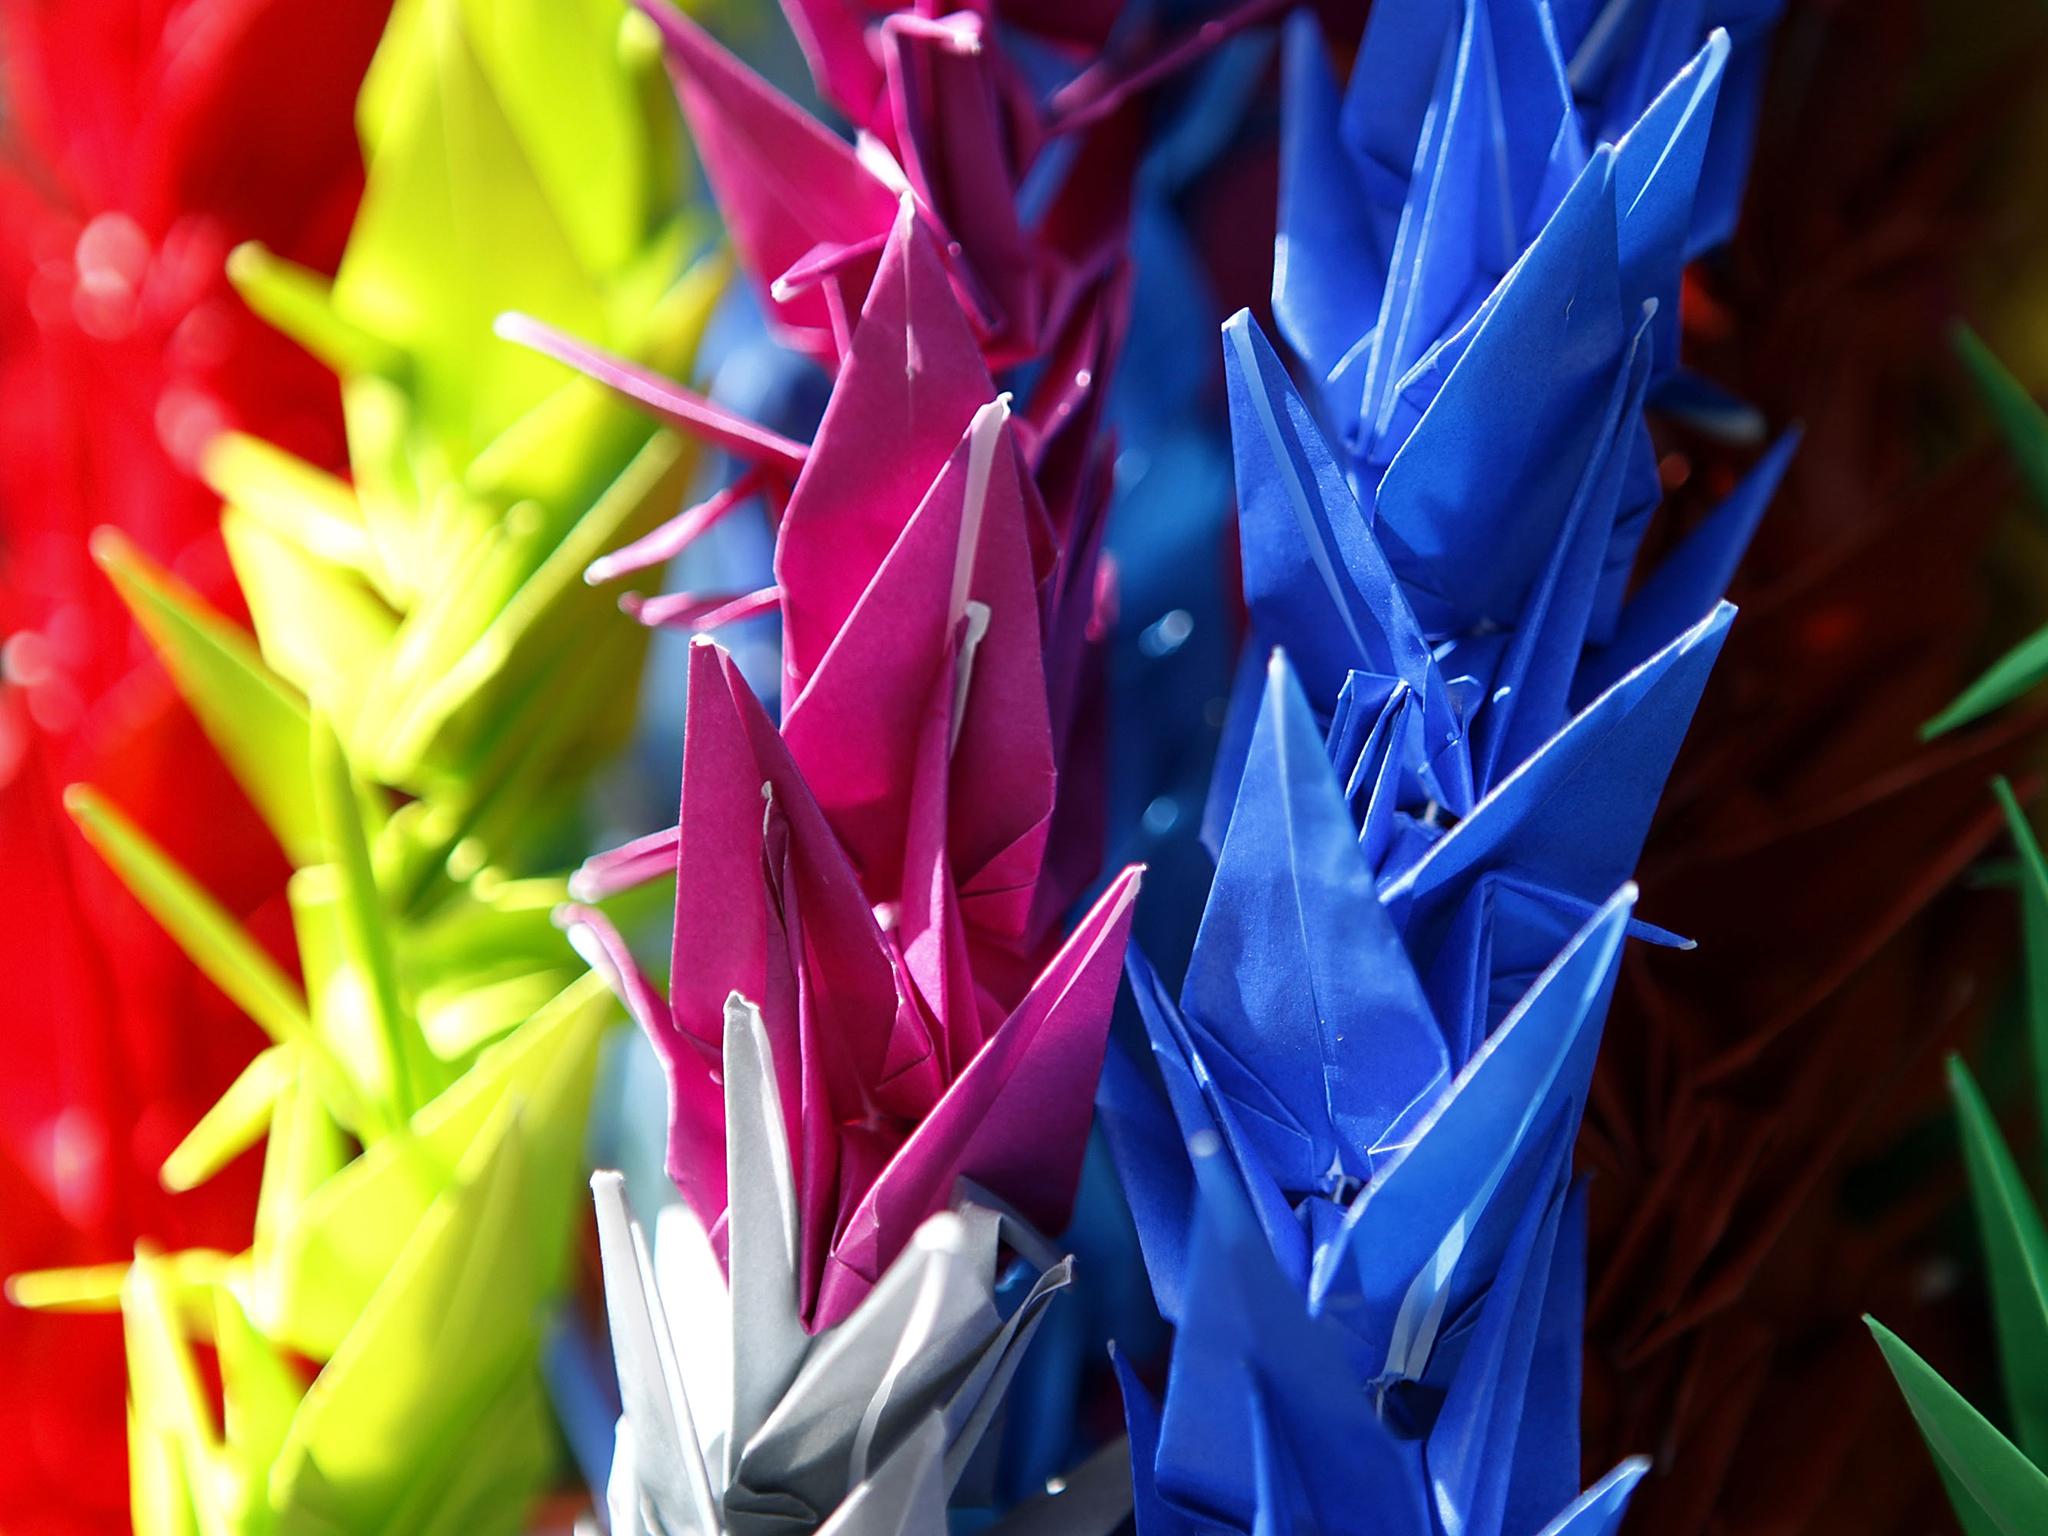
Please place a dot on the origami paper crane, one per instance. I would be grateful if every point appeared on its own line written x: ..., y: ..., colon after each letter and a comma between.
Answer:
x: 1386, y: 1034
x: 1392, y: 1100
x: 482, y: 481
x: 738, y: 1420
x: 814, y: 224
x: 814, y: 220
x: 1264, y: 1425
x: 140, y: 146
x: 1420, y: 741
x: 901, y: 1070
x: 411, y: 723
x: 412, y: 1273
x: 1462, y: 130
x: 945, y: 117
x: 902, y: 296
x: 1033, y: 140
x: 1619, y: 58
x: 897, y: 908
x: 1472, y: 386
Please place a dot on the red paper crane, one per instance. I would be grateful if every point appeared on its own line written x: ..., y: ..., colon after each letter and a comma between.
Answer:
x: 146, y: 138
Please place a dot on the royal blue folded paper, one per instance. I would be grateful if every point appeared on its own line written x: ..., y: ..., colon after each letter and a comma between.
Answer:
x: 1348, y: 1147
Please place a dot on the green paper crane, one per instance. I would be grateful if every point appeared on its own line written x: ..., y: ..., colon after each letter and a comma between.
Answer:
x: 2024, y: 428
x: 428, y: 681
x: 1998, y: 1485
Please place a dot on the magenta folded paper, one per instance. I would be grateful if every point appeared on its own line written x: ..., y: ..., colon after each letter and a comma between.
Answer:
x: 900, y: 1071
x: 880, y: 875
x: 943, y: 118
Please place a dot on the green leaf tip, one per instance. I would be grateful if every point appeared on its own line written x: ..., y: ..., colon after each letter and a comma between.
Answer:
x: 2013, y: 674
x: 2020, y: 420
x: 1995, y: 1489
x: 2016, y: 1257
x: 2033, y: 893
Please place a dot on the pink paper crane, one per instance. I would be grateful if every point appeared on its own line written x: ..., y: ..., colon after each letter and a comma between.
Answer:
x: 880, y: 875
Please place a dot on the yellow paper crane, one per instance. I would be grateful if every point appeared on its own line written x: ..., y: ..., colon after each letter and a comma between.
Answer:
x: 428, y: 682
